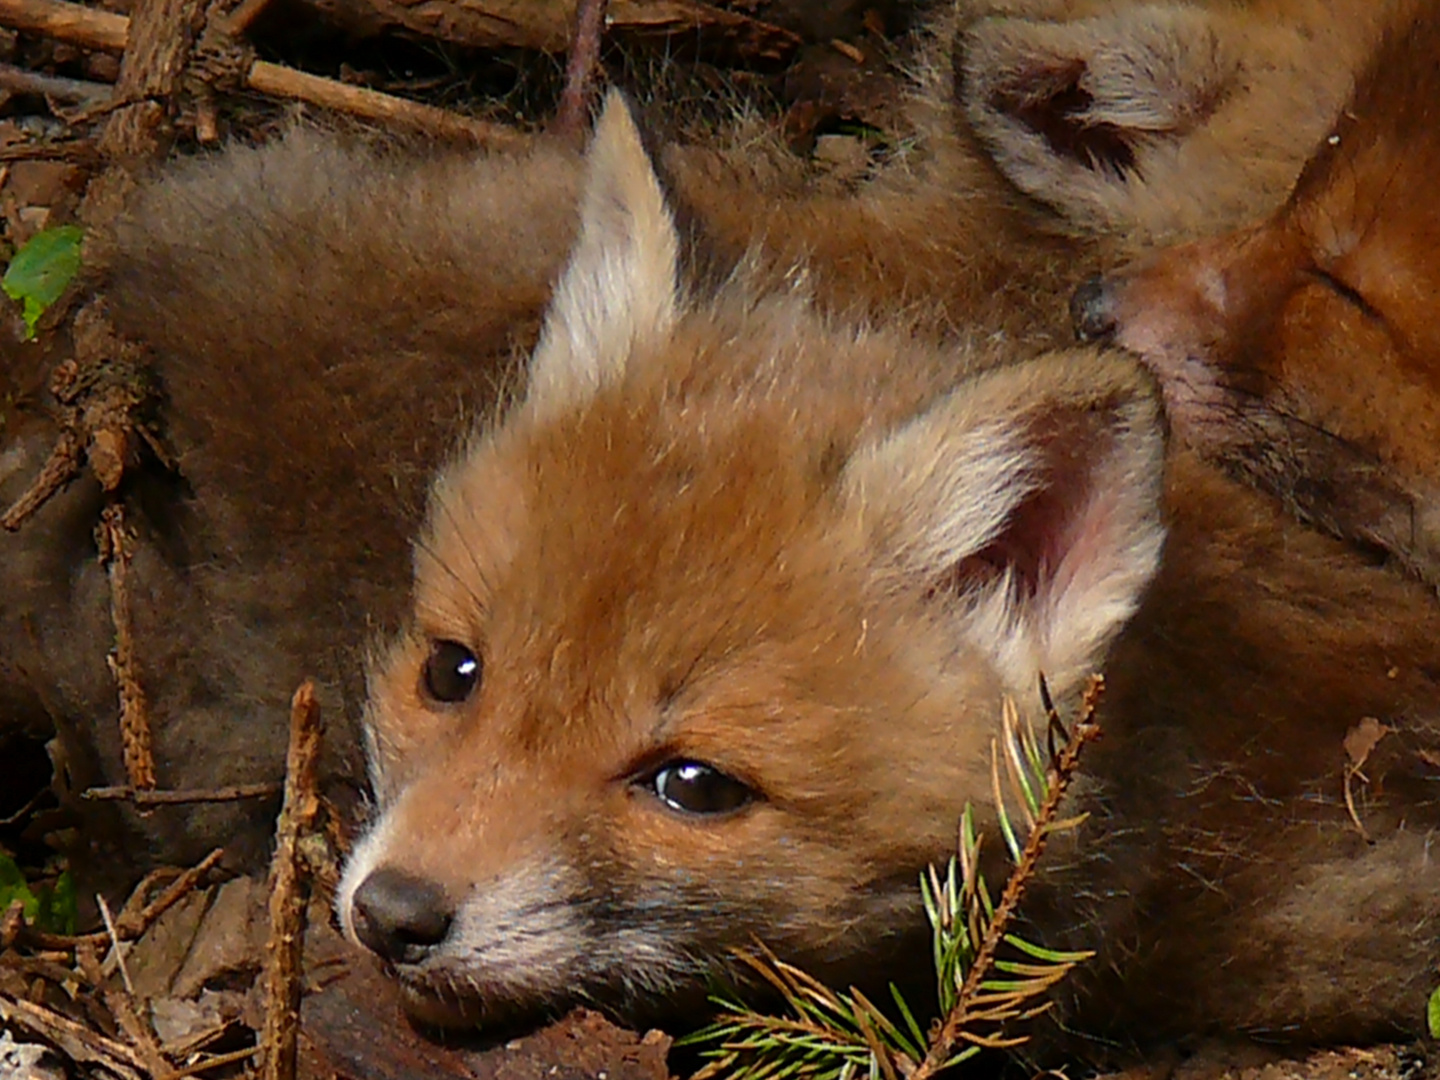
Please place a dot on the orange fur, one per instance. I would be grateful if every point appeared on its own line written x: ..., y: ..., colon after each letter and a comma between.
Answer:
x: 728, y: 533
x: 772, y: 530
x: 1302, y: 352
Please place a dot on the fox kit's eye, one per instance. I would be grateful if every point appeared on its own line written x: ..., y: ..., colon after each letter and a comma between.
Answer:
x: 1348, y: 292
x: 695, y: 788
x: 451, y: 672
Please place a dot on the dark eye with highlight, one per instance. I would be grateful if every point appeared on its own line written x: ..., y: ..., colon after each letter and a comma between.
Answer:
x: 692, y: 787
x: 452, y: 672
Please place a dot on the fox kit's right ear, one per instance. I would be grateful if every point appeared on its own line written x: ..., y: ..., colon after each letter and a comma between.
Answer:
x: 1028, y: 502
x: 1090, y: 90
x: 621, y: 286
x: 1071, y: 111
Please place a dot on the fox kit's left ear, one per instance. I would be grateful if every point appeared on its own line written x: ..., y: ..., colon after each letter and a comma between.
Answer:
x: 621, y: 286
x: 1027, y: 502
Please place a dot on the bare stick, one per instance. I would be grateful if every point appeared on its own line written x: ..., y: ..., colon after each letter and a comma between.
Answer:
x: 242, y: 17
x: 95, y: 29
x: 88, y: 27
x: 62, y: 466
x: 75, y: 1040
x: 76, y: 151
x: 132, y: 926
x: 135, y: 738
x: 115, y: 942
x: 213, y: 1063
x: 51, y: 86
x: 290, y: 891
x: 179, y: 796
x: 131, y: 923
x: 580, y: 68
x: 121, y: 1005
x: 157, y: 48
x: 278, y: 81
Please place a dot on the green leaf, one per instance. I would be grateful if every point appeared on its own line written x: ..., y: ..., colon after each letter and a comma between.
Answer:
x: 40, y: 271
x: 56, y: 910
x: 13, y: 887
x: 1432, y: 1014
x: 50, y: 908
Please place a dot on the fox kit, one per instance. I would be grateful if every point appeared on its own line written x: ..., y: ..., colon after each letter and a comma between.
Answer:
x: 1157, y: 122
x: 713, y: 622
x: 1302, y: 353
x: 326, y: 318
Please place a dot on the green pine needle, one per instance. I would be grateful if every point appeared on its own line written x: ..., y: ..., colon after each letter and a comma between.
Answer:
x: 831, y: 1035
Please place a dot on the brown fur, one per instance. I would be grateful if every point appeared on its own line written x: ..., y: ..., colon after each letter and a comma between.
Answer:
x: 732, y: 532
x: 324, y: 333
x: 1302, y: 352
x: 1157, y: 122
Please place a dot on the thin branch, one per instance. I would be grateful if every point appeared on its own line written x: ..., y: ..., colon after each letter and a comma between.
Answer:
x: 22, y: 81
x: 290, y: 890
x: 134, y: 920
x: 94, y: 29
x: 90, y: 28
x: 244, y: 16
x: 62, y: 466
x: 1063, y: 768
x: 76, y: 1040
x: 146, y: 798
x: 136, y: 741
x: 232, y: 1058
x: 580, y: 65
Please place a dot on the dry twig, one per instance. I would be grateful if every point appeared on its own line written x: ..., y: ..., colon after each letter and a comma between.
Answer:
x: 570, y: 118
x: 94, y: 29
x: 136, y: 745
x: 122, y: 1006
x: 62, y: 466
x: 290, y: 890
x: 56, y: 87
x: 147, y: 798
x: 75, y: 1040
x: 137, y: 916
x: 215, y: 1062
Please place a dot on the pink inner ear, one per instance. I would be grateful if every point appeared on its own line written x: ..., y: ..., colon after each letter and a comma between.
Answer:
x: 1064, y: 524
x: 1045, y: 96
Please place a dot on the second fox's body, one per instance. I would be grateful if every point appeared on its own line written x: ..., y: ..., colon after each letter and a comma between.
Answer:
x: 1301, y: 352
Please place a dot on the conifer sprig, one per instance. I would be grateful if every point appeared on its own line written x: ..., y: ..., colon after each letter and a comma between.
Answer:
x: 982, y: 994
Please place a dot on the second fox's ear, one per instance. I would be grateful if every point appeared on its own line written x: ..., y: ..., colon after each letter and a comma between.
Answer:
x: 1069, y: 109
x: 1027, y: 504
x: 621, y: 285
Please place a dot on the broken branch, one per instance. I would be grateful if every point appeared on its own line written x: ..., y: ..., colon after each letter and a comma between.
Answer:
x: 290, y: 890
x: 94, y: 29
x: 146, y: 798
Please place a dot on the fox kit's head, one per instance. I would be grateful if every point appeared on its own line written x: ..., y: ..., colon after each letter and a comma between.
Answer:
x: 711, y: 631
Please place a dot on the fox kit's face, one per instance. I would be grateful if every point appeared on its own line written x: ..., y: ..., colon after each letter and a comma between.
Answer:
x: 711, y: 631
x: 1304, y: 351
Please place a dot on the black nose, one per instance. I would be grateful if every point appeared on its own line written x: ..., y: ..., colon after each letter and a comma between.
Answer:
x: 399, y: 916
x: 1091, y: 312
